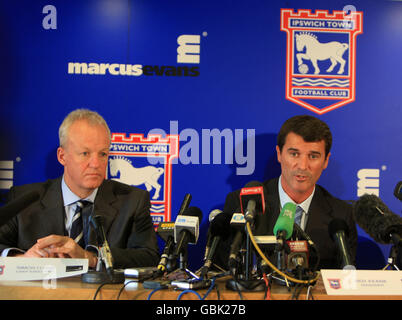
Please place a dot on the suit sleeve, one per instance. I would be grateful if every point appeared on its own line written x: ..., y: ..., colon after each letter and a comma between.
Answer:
x: 141, y: 249
x: 9, y: 230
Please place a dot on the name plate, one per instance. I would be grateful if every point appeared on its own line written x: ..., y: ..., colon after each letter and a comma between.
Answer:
x: 362, y: 282
x: 13, y: 268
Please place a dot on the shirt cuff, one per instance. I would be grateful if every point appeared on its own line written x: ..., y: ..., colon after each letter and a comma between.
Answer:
x: 9, y: 252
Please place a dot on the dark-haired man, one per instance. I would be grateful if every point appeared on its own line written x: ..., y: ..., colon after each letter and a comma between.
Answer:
x: 303, y: 151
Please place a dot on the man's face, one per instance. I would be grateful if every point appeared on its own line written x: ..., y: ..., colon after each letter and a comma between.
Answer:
x: 84, y: 157
x: 302, y: 164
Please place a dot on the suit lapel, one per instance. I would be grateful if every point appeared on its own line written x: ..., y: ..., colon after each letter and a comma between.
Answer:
x: 319, y: 212
x: 53, y: 208
x: 272, y: 202
x: 104, y: 206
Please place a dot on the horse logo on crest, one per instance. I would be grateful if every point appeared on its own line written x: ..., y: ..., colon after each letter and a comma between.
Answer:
x: 131, y: 175
x: 320, y: 63
x: 146, y: 162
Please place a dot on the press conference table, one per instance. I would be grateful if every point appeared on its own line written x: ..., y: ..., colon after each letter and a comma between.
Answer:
x: 74, y: 289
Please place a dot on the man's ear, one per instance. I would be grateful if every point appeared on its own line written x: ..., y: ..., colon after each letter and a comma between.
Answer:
x: 61, y: 154
x: 278, y: 154
x: 326, y: 161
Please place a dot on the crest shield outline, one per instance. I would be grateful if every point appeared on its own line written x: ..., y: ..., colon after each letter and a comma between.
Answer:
x: 321, y: 67
x: 126, y: 152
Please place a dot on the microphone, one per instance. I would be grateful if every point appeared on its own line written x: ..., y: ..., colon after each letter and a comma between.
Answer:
x: 166, y: 232
x: 298, y: 256
x: 252, y: 200
x: 12, y: 208
x: 283, y: 228
x: 375, y: 218
x: 186, y: 229
x: 300, y: 232
x: 105, y: 252
x: 219, y: 230
x: 398, y: 190
x: 212, y: 215
x: 238, y: 223
x: 185, y: 204
x: 339, y: 230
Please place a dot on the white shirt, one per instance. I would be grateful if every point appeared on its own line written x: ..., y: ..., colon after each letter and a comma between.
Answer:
x: 70, y: 203
x: 305, y: 205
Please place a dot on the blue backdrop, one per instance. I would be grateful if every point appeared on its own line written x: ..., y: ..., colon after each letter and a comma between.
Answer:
x: 209, y: 81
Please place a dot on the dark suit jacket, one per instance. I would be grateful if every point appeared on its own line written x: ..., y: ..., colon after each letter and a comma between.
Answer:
x: 323, y: 208
x: 126, y: 220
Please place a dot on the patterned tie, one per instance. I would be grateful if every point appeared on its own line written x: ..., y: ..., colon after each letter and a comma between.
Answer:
x: 77, y: 230
x: 298, y: 216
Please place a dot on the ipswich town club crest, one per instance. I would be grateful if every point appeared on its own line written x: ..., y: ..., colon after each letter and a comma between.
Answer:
x: 321, y: 57
x: 146, y: 163
x: 334, y: 283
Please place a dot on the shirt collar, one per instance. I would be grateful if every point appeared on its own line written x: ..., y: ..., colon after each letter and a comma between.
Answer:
x: 284, y: 198
x: 70, y: 197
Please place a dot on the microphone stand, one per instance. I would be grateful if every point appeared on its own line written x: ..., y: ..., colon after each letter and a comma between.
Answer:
x: 245, y: 281
x: 102, y: 276
x: 393, y: 255
x: 280, y: 249
x: 394, y: 252
x: 249, y: 259
x: 182, y: 272
x: 183, y: 259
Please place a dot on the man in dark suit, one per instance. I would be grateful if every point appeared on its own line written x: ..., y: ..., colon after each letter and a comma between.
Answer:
x: 303, y: 151
x: 45, y: 228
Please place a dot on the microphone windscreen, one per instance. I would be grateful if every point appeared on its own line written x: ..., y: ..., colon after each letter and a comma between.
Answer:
x: 286, y: 220
x: 383, y: 226
x: 398, y: 190
x: 253, y: 190
x: 194, y: 212
x: 395, y: 228
x: 213, y: 214
x: 252, y: 184
x: 365, y: 212
x: 220, y: 226
x: 375, y: 218
x: 337, y: 225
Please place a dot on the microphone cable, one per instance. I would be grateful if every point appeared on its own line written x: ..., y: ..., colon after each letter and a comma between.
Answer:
x: 153, y: 291
x: 267, y: 295
x: 126, y: 283
x: 123, y: 287
x: 262, y: 255
x: 189, y: 291
x: 100, y: 287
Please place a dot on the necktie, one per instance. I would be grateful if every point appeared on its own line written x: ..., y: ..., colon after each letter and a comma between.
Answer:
x: 77, y: 230
x: 298, y: 216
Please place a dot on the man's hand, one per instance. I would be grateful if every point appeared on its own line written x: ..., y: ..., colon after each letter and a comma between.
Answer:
x: 55, y: 246
x: 61, y: 246
x: 37, y: 252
